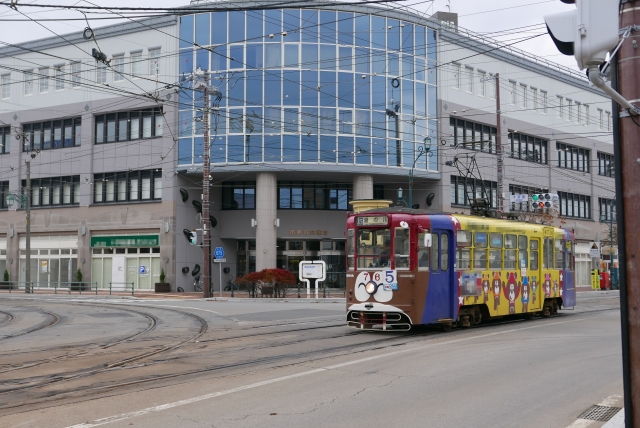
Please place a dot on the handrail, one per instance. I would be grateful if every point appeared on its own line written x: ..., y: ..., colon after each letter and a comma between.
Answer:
x: 122, y: 283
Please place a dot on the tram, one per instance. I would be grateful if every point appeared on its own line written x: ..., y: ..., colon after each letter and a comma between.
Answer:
x: 408, y: 267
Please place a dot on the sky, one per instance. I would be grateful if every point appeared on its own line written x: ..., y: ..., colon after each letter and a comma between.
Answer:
x: 480, y: 16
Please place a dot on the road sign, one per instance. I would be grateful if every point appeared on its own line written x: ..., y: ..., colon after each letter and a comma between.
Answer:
x: 143, y: 269
x: 219, y: 260
x: 218, y: 252
x: 594, y: 250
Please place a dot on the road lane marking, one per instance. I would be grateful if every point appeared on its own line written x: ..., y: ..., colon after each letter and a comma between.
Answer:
x: 167, y: 406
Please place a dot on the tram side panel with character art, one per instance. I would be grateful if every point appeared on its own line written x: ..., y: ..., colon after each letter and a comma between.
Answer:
x: 407, y: 267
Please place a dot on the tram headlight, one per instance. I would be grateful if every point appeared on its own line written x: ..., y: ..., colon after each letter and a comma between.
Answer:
x: 371, y: 287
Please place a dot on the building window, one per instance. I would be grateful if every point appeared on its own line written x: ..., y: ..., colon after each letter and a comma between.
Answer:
x: 492, y: 86
x: 572, y: 157
x: 606, y: 166
x: 313, y: 195
x: 76, y: 69
x: 534, y: 99
x: 586, y: 115
x: 465, y: 190
x: 129, y: 186
x: 5, y: 82
x: 28, y: 82
x: 58, y: 74
x: 600, y: 118
x: 579, y: 112
x: 137, y: 66
x: 482, y: 83
x: 44, y: 80
x: 514, y: 93
x: 118, y: 68
x: 240, y: 195
x: 378, y: 191
x: 524, y: 190
x: 570, y: 110
x: 4, y: 190
x: 154, y: 62
x: 608, y: 124
x: 101, y: 73
x: 457, y: 78
x: 54, y: 134
x: 545, y: 102
x: 5, y: 140
x: 128, y: 125
x: 54, y: 191
x: 469, y: 79
x: 528, y: 148
x: 560, y: 107
x: 607, y: 209
x: 524, y: 103
x: 472, y: 135
x: 574, y: 205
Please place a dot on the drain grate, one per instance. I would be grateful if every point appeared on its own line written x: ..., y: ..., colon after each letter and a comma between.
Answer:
x: 599, y: 413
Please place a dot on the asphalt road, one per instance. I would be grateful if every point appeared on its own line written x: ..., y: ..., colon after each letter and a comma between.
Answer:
x: 120, y: 363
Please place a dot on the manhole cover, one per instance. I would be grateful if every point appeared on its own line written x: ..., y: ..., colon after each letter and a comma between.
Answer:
x: 599, y: 413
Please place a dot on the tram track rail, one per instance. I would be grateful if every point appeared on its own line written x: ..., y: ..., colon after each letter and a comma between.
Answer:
x: 55, y: 319
x: 9, y: 318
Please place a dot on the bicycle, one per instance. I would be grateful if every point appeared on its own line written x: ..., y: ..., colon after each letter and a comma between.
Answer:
x: 197, y: 285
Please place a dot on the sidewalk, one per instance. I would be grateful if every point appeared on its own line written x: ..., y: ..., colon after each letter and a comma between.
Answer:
x: 617, y: 421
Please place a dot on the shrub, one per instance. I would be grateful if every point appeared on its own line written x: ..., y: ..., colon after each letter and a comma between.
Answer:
x: 6, y: 276
x: 268, y: 281
x: 79, y: 276
x: 162, y: 276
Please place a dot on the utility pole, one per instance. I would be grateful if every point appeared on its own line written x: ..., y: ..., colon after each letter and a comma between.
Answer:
x: 27, y: 264
x: 206, y: 228
x: 394, y: 113
x: 499, y: 152
x: 626, y: 140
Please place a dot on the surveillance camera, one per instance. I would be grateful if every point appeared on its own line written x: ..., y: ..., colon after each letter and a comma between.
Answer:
x: 33, y: 155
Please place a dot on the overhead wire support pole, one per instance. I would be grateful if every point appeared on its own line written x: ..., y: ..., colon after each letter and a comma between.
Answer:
x: 27, y: 264
x: 206, y: 171
x: 499, y: 152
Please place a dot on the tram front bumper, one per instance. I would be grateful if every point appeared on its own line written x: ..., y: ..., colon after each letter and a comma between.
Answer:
x: 377, y: 316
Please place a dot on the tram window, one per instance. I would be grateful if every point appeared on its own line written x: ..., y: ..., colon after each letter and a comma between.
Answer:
x: 569, y: 255
x: 435, y: 253
x: 547, y: 253
x: 495, y: 259
x: 533, y: 265
x: 533, y: 244
x: 509, y: 241
x: 510, y: 259
x: 522, y: 242
x: 464, y: 258
x: 559, y: 253
x: 463, y: 238
x: 522, y: 259
x: 373, y: 248
x: 496, y: 240
x: 445, y: 252
x: 350, y: 249
x: 423, y: 253
x: 480, y: 240
x: 402, y: 248
x: 480, y: 259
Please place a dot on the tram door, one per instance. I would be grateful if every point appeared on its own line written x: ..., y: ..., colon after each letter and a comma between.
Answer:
x: 440, y: 297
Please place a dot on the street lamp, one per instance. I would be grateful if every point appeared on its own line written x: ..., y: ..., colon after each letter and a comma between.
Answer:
x: 609, y: 220
x: 401, y: 198
x: 422, y: 150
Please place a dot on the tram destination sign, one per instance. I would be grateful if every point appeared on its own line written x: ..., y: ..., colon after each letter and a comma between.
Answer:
x: 379, y: 220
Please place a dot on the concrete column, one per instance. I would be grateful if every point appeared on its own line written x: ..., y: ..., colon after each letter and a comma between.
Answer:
x: 362, y: 187
x: 266, y: 213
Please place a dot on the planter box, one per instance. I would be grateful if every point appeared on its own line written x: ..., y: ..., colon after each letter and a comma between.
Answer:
x: 6, y: 285
x: 162, y: 287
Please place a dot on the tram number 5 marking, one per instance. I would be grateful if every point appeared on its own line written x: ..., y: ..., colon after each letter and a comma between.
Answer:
x: 390, y: 280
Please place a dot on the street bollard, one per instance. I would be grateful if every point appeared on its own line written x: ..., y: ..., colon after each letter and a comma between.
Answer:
x: 298, y: 290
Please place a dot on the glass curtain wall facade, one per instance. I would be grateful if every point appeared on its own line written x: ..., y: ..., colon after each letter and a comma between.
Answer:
x: 309, y: 86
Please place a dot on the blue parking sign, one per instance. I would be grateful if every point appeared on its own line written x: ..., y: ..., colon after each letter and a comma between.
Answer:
x: 218, y: 252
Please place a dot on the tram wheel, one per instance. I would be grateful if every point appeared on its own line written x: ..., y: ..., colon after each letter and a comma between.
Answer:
x: 531, y: 315
x: 445, y: 327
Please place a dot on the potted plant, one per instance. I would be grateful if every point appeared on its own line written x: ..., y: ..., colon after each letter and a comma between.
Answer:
x: 77, y: 285
x: 5, y: 284
x: 162, y: 287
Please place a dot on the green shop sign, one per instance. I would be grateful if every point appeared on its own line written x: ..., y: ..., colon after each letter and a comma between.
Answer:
x: 125, y: 241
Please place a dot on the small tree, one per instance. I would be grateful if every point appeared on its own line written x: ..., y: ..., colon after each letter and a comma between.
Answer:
x: 6, y: 276
x: 79, y: 276
x: 162, y: 276
x: 275, y: 281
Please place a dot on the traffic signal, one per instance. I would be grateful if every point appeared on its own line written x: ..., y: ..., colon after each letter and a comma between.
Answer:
x: 589, y: 32
x: 543, y: 200
x: 193, y: 238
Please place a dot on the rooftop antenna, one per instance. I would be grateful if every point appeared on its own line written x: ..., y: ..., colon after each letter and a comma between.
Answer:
x: 449, y: 5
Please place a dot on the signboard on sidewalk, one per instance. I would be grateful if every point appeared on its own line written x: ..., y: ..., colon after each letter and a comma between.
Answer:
x: 594, y: 250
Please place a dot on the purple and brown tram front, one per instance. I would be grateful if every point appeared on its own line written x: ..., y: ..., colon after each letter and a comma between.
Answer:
x: 399, y: 269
